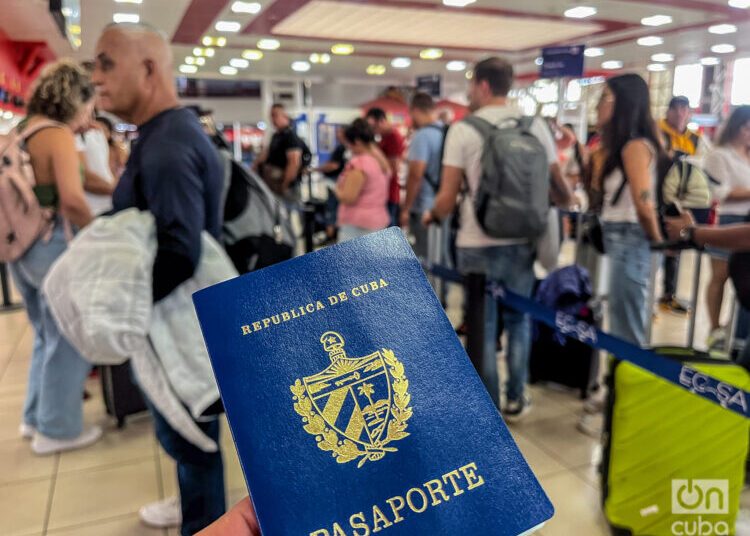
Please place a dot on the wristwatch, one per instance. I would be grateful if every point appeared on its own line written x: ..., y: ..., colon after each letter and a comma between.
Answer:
x: 687, y: 234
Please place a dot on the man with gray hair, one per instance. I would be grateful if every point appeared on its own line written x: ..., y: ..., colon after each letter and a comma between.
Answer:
x: 174, y: 173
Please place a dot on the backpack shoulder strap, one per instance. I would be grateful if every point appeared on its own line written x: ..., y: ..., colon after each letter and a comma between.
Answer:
x: 29, y: 131
x: 483, y: 126
x: 526, y: 122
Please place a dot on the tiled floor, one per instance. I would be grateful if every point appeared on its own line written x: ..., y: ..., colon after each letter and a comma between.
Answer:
x: 97, y: 491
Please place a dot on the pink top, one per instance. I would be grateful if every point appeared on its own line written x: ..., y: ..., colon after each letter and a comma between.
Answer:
x: 369, y: 210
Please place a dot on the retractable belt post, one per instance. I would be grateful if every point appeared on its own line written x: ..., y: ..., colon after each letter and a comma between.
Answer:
x: 308, y: 213
x: 474, y: 285
x: 7, y: 304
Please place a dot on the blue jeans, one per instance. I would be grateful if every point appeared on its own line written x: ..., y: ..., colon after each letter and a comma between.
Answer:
x: 57, y: 374
x: 628, y: 250
x: 200, y: 474
x: 513, y: 267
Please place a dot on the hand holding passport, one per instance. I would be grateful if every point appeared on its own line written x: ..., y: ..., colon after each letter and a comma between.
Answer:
x: 353, y: 405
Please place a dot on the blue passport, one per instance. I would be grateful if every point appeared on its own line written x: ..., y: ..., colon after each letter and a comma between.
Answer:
x: 353, y: 405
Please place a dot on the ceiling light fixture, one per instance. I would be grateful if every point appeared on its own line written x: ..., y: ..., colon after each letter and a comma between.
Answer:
x: 656, y: 20
x: 723, y: 48
x: 133, y: 18
x: 246, y: 7
x: 539, y: 61
x: 456, y: 65
x: 209, y: 52
x: 252, y: 55
x: 239, y: 63
x: 7, y: 114
x: 268, y: 44
x: 200, y: 61
x: 400, y: 63
x: 458, y: 3
x: 190, y: 60
x: 740, y: 4
x: 650, y: 41
x: 580, y: 12
x: 325, y: 58
x: 657, y: 67
x: 469, y: 75
x: 342, y: 49
x: 662, y: 57
x: 375, y: 70
x: 227, y: 70
x: 593, y: 52
x: 300, y: 66
x: 207, y: 41
x: 188, y: 69
x: 722, y: 29
x: 431, y: 54
x: 612, y: 65
x: 708, y: 61
x: 129, y: 1
x: 228, y: 26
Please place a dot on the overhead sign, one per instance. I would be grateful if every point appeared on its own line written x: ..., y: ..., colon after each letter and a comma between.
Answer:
x: 430, y: 84
x: 558, y: 62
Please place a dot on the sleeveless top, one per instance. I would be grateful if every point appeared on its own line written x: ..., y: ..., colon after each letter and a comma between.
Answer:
x: 624, y: 209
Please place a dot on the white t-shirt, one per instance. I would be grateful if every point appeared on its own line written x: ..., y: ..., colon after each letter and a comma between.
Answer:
x: 463, y: 149
x: 732, y: 170
x: 624, y: 209
x: 96, y: 149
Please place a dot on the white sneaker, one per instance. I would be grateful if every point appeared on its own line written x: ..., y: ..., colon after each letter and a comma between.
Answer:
x: 163, y: 514
x: 26, y: 430
x: 716, y: 340
x: 516, y: 410
x: 43, y: 445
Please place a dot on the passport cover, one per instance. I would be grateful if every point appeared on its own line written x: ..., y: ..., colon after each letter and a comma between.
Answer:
x: 353, y: 405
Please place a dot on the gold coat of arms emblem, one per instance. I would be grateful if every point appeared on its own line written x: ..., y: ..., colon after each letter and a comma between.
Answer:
x: 355, y: 407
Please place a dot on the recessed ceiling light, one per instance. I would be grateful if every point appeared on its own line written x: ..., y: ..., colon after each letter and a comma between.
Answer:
x: 650, y: 41
x: 657, y: 67
x: 7, y: 114
x: 227, y: 70
x: 710, y: 60
x: 189, y: 60
x: 656, y: 20
x: 240, y: 63
x: 268, y: 44
x: 314, y: 57
x: 593, y: 52
x: 207, y: 41
x: 580, y: 12
x: 129, y: 1
x: 75, y: 29
x: 67, y: 12
x: 431, y: 54
x: 456, y: 65
x: 612, y: 64
x: 300, y: 66
x: 252, y: 55
x: 722, y: 29
x: 741, y: 4
x: 188, y: 69
x: 200, y: 61
x: 221, y: 41
x: 342, y: 49
x: 246, y: 7
x: 469, y: 75
x: 458, y: 3
x: 325, y: 58
x: 400, y: 63
x: 539, y: 61
x: 662, y: 57
x: 120, y: 18
x: 375, y: 70
x: 723, y: 48
x: 228, y: 26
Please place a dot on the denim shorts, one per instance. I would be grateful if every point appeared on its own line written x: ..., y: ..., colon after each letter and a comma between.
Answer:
x: 718, y: 253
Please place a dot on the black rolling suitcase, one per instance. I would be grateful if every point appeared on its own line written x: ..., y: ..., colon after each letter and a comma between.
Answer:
x: 122, y: 397
x: 560, y: 359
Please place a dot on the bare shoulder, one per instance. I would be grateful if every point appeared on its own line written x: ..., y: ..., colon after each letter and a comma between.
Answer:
x: 52, y: 140
x: 639, y: 148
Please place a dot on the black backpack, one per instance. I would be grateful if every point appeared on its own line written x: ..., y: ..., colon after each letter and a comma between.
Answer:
x: 435, y: 181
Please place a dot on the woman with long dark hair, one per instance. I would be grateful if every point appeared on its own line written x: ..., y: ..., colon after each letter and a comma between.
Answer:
x: 728, y: 163
x: 633, y: 159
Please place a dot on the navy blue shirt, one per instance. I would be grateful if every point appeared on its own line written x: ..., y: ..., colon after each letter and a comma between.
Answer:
x: 175, y: 173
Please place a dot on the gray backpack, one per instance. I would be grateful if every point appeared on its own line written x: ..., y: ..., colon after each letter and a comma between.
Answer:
x: 512, y: 199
